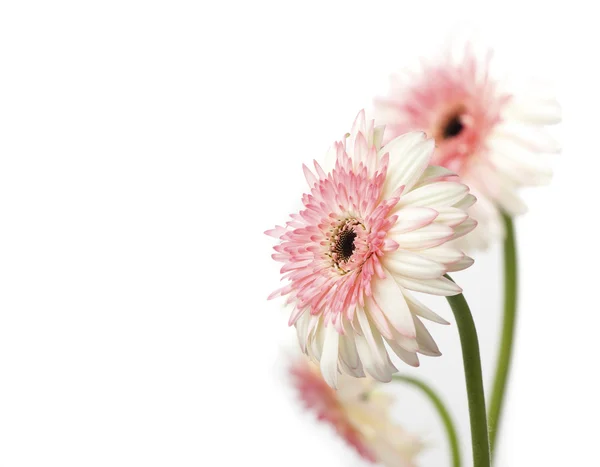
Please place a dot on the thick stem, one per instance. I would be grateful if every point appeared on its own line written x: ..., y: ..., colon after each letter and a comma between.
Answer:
x: 442, y: 412
x: 473, y: 378
x: 508, y: 330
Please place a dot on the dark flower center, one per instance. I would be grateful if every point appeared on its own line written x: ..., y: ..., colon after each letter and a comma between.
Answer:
x: 344, y: 247
x: 453, y: 127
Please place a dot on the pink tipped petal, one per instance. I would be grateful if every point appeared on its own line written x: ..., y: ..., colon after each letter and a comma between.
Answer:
x: 310, y: 178
x: 277, y: 232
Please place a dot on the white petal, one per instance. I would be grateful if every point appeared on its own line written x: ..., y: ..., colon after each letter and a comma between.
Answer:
x: 390, y: 299
x: 412, y: 218
x: 372, y: 351
x: 444, y: 254
x: 427, y: 345
x: 530, y: 136
x: 438, y: 194
x: 302, y: 330
x: 466, y: 202
x: 329, y: 159
x: 410, y: 264
x: 407, y: 343
x: 359, y: 124
x: 378, y: 136
x: 511, y: 202
x: 407, y: 357
x: 529, y: 174
x: 536, y: 111
x: 434, y: 173
x: 461, y: 265
x: 451, y: 216
x: 407, y: 161
x: 329, y: 358
x: 441, y: 286
x: 347, y: 349
x: 377, y: 317
x: 360, y: 149
x: 427, y: 237
x: 417, y: 308
x: 316, y: 340
x: 464, y: 228
x: 518, y: 162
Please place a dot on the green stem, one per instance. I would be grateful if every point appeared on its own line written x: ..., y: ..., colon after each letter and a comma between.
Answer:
x: 442, y: 412
x: 508, y: 330
x: 473, y: 378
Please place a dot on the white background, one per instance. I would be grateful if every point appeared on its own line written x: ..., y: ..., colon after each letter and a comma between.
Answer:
x: 145, y: 147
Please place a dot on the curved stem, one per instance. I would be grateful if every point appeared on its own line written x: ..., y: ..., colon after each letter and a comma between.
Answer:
x: 508, y: 330
x: 473, y: 378
x: 442, y: 411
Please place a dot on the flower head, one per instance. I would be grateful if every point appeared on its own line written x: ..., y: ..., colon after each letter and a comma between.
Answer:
x: 490, y: 137
x: 359, y: 413
x: 373, y: 227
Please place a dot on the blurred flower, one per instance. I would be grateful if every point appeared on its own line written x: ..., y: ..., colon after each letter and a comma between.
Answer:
x: 490, y: 137
x: 359, y: 413
x: 374, y: 226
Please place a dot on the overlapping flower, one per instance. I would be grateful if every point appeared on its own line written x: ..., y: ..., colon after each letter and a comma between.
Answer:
x: 374, y: 229
x: 494, y: 139
x: 359, y: 413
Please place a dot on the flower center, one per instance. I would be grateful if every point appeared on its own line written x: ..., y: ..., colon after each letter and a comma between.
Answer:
x: 347, y: 245
x: 453, y: 127
x: 344, y: 247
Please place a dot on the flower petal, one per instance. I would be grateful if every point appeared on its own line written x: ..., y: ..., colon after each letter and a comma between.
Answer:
x: 410, y: 155
x: 437, y: 194
x: 390, y: 299
x: 409, y: 264
x: 460, y: 265
x: 441, y: 286
x: 427, y: 345
x: 427, y: 237
x: 412, y: 218
x: 330, y: 355
x: 417, y: 308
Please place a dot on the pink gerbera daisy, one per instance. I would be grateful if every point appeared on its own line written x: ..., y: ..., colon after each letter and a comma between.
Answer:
x: 374, y: 227
x: 359, y: 413
x: 491, y: 137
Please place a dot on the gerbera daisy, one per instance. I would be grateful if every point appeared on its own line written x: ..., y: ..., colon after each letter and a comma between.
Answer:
x: 359, y: 413
x: 374, y: 227
x: 490, y: 137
